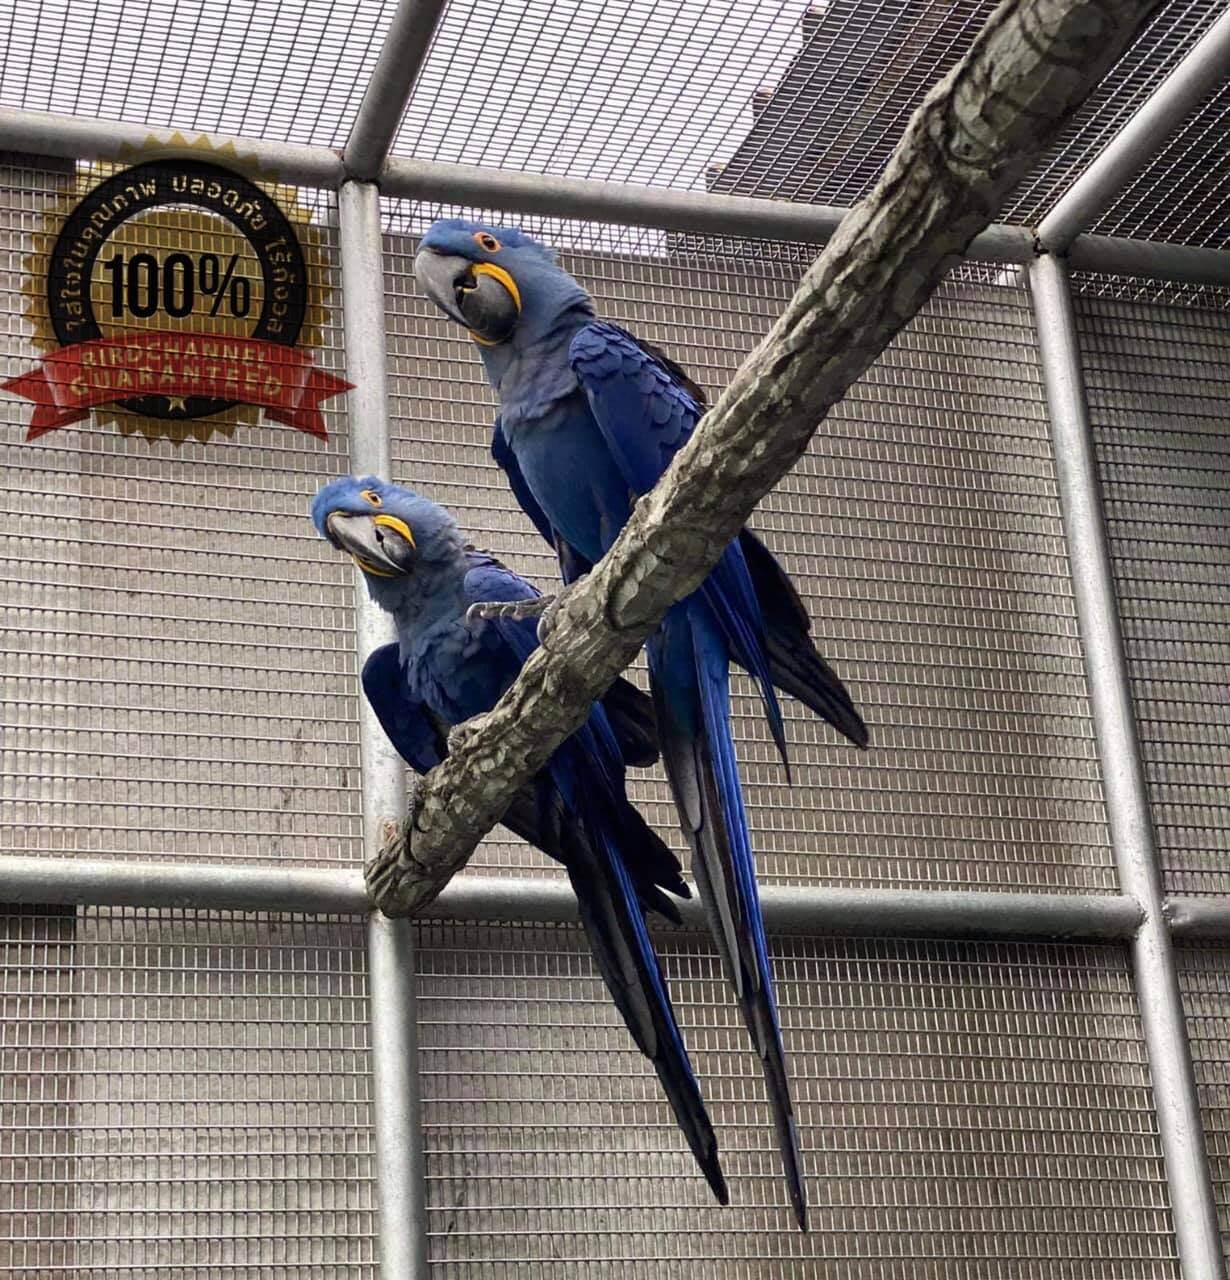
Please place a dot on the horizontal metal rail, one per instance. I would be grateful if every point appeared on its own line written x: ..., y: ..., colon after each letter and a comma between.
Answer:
x: 698, y: 212
x: 167, y: 884
x: 1117, y: 256
x: 81, y: 138
x: 788, y: 910
x: 1198, y: 919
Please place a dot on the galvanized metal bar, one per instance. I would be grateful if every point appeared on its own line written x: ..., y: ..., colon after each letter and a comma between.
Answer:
x: 395, y: 1100
x: 1117, y: 256
x: 204, y: 885
x: 1131, y: 828
x: 80, y: 138
x: 699, y: 212
x: 1202, y: 71
x: 811, y: 912
x: 788, y: 910
x: 1199, y: 919
x: 401, y: 58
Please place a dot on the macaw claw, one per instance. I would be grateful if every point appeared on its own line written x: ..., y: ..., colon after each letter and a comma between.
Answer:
x: 511, y: 610
x: 544, y: 608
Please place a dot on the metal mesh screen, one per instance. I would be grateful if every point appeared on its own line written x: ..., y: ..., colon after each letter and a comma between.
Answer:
x: 963, y: 1110
x: 923, y: 529
x: 1160, y: 211
x: 186, y: 1094
x: 178, y: 654
x: 1159, y: 393
x: 293, y: 71
x: 1195, y: 163
x: 1204, y: 978
x: 784, y: 98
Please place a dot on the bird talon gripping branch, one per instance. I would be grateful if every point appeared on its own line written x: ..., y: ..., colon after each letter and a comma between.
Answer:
x: 458, y: 736
x: 518, y: 611
x: 384, y: 871
x: 550, y: 615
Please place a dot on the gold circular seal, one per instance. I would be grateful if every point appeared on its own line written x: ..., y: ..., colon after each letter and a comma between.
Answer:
x: 176, y: 297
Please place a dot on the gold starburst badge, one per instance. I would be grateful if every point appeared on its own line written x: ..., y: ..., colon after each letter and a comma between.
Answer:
x: 177, y: 297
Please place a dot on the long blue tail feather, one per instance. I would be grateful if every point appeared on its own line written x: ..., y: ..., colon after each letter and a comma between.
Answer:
x: 689, y: 667
x: 612, y: 909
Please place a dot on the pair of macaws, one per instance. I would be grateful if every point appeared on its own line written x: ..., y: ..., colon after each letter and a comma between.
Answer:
x: 589, y: 419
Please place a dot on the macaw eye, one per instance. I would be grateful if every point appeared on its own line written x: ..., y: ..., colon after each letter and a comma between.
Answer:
x: 488, y: 242
x: 372, y: 496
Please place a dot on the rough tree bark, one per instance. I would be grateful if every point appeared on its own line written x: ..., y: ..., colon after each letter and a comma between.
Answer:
x: 969, y: 143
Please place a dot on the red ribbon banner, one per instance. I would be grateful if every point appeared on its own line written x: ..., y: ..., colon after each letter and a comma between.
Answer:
x: 283, y: 381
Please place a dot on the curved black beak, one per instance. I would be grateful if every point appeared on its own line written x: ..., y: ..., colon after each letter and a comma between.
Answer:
x: 380, y: 544
x: 477, y: 295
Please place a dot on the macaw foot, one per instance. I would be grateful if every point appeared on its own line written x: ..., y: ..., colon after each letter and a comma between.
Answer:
x: 392, y: 874
x: 383, y: 872
x: 459, y: 735
x: 417, y: 857
x: 546, y: 623
x: 544, y: 608
x: 514, y: 610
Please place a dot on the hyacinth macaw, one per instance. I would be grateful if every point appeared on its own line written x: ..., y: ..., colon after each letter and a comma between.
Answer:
x: 449, y: 664
x: 589, y: 419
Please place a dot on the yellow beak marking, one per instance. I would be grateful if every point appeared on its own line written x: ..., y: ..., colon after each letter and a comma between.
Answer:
x: 496, y: 273
x: 371, y: 568
x: 398, y: 526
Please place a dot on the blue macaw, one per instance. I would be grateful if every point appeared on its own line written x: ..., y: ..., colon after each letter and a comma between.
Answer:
x: 589, y: 419
x: 449, y: 664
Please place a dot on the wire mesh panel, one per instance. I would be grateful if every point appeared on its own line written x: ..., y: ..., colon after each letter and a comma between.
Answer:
x: 923, y: 530
x: 1159, y: 393
x: 37, y: 1088
x: 963, y: 1111
x: 1194, y: 164
x: 294, y: 71
x: 1154, y: 211
x: 1204, y: 978
x: 179, y: 674
x: 185, y: 1095
x: 788, y: 99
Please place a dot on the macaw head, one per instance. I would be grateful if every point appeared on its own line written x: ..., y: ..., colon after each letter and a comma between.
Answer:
x: 390, y: 532
x: 495, y: 281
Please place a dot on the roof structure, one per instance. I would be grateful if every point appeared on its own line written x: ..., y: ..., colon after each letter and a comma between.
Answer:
x: 794, y: 100
x: 824, y: 130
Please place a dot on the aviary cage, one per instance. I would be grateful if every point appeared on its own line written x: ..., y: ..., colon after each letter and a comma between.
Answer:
x: 1001, y: 938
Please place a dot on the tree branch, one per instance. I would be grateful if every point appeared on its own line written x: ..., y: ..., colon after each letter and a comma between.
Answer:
x: 969, y: 143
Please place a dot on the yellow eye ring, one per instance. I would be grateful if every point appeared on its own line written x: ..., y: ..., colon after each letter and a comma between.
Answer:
x: 372, y: 496
x: 487, y: 241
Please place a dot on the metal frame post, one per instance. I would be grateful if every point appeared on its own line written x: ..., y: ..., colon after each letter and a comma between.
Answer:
x: 401, y: 58
x: 395, y: 1081
x: 1192, y: 1203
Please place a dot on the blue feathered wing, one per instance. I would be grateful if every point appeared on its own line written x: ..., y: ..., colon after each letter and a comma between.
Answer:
x: 576, y: 811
